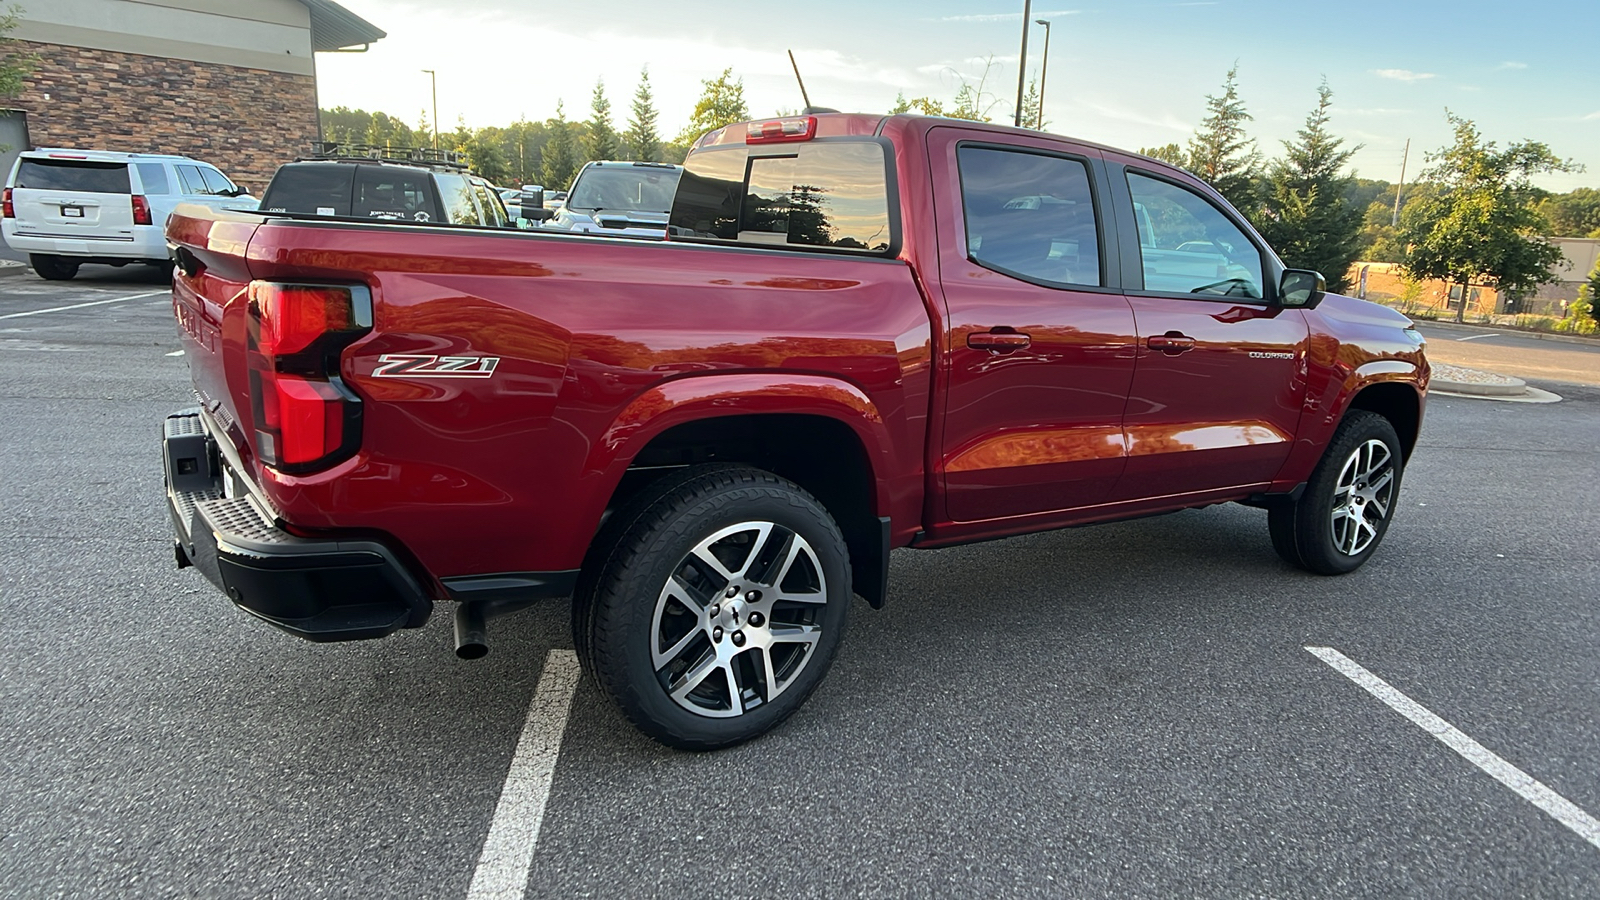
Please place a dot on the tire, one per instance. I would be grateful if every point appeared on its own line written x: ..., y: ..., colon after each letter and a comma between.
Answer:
x: 716, y: 604
x: 52, y: 268
x: 1348, y: 504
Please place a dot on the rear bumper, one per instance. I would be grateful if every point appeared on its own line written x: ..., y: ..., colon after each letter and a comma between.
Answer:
x: 320, y: 589
x: 147, y: 242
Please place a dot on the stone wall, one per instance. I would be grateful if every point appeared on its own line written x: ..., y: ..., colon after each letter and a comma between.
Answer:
x: 247, y: 122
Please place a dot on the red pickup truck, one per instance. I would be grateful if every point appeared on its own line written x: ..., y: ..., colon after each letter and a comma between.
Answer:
x: 862, y: 333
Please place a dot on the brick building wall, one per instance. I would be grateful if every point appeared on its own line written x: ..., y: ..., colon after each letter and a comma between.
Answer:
x: 245, y: 121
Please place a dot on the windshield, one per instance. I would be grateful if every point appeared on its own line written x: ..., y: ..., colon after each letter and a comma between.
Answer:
x: 635, y: 189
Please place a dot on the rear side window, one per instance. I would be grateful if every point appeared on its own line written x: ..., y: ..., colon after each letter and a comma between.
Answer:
x: 456, y: 195
x: 1030, y: 215
x: 322, y: 190
x: 73, y: 175
x: 823, y: 193
x: 386, y: 192
x: 154, y: 178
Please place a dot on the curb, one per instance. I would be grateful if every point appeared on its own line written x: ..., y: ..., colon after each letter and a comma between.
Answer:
x: 11, y: 271
x: 1516, y: 388
x: 1537, y: 335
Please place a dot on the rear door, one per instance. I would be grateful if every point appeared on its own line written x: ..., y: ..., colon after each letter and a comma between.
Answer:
x: 1220, y: 380
x: 69, y: 197
x: 1040, y: 340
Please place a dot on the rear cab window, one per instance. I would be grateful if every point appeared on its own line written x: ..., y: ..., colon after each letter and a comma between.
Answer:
x: 393, y: 192
x: 317, y: 189
x: 826, y: 193
x: 82, y: 175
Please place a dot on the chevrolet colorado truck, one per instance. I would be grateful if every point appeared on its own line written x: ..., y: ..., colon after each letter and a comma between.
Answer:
x: 863, y: 333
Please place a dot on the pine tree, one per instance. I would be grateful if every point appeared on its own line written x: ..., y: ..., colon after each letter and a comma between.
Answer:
x: 1307, y: 215
x: 601, y: 141
x: 721, y: 103
x: 559, y: 164
x: 1167, y: 153
x: 1220, y: 154
x: 643, y: 142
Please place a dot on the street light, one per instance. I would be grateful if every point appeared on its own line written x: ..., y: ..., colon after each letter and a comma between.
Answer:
x: 435, y: 79
x: 1044, y: 71
x: 1022, y: 60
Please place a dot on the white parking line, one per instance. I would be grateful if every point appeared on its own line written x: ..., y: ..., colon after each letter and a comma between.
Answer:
x: 502, y: 872
x: 1527, y: 787
x: 40, y: 312
x: 176, y: 353
x: 1473, y: 337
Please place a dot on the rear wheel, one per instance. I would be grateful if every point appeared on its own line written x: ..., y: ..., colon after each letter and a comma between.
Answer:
x: 52, y: 268
x: 718, y: 608
x: 1347, y: 506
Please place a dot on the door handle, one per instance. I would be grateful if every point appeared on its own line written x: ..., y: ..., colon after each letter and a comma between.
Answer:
x: 998, y: 341
x: 1172, y: 343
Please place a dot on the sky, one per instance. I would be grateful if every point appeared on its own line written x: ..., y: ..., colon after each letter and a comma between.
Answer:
x: 1128, y: 74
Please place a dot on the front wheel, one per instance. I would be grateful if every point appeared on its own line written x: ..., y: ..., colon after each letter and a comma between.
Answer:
x: 719, y: 607
x: 52, y: 268
x: 1349, y: 502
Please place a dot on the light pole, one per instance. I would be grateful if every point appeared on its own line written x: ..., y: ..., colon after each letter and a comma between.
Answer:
x: 1044, y: 71
x: 1022, y: 60
x: 435, y: 79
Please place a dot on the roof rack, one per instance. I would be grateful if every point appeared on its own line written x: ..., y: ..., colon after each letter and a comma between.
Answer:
x: 415, y: 155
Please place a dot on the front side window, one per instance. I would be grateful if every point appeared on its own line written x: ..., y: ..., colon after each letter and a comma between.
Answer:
x: 1188, y: 246
x: 455, y: 194
x: 489, y: 203
x: 216, y: 183
x: 818, y: 194
x: 192, y: 181
x: 1030, y: 215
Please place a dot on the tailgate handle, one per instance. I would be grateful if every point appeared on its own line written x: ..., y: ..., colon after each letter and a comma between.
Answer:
x: 998, y: 341
x: 187, y: 263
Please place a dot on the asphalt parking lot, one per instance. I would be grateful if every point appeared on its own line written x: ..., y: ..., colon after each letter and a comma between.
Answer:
x: 1127, y: 710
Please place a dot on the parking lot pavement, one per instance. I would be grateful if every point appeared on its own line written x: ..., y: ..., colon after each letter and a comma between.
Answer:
x: 1520, y: 354
x: 1121, y: 710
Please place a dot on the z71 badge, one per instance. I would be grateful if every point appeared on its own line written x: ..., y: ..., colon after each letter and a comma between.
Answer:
x: 401, y: 365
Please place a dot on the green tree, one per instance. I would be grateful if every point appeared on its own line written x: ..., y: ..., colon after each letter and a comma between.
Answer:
x: 1169, y: 153
x: 1573, y: 214
x: 1586, y: 310
x: 721, y: 103
x: 485, y: 157
x: 559, y: 163
x: 642, y: 138
x: 1483, y: 226
x: 16, y: 64
x: 901, y: 104
x: 601, y: 142
x: 1220, y: 153
x: 1030, y: 107
x: 1306, y: 215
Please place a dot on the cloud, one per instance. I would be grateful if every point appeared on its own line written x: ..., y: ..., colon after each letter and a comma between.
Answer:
x: 1008, y: 17
x: 1510, y: 65
x: 1402, y: 74
x: 1370, y: 111
x: 1592, y: 117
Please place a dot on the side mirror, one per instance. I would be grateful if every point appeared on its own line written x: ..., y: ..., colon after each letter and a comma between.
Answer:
x: 1301, y: 288
x: 532, y: 196
x: 539, y: 214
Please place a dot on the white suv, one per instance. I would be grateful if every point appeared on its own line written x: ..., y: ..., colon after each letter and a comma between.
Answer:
x: 68, y: 207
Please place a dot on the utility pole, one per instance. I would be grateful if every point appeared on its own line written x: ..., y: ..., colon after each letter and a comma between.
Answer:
x: 435, y: 79
x: 1022, y: 59
x: 1044, y: 72
x: 1406, y: 157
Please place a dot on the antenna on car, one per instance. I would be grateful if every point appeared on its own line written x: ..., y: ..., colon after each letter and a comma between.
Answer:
x: 809, y: 110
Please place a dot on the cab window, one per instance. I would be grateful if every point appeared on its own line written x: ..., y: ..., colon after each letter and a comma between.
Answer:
x: 456, y: 196
x: 1188, y: 246
x: 1030, y: 215
x: 384, y: 192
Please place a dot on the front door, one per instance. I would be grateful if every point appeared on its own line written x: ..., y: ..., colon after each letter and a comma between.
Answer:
x: 1219, y: 383
x: 1039, y: 338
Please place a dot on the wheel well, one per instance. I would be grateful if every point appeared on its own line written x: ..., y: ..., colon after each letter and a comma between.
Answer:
x: 1398, y: 403
x: 820, y: 454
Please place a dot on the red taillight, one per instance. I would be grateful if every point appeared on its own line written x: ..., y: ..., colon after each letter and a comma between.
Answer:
x: 141, y: 210
x: 779, y: 131
x: 305, y: 417
x: 7, y: 211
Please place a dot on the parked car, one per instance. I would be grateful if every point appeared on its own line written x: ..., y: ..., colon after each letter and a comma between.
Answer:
x: 67, y: 207
x: 413, y: 185
x: 621, y: 199
x: 863, y: 333
x: 555, y: 199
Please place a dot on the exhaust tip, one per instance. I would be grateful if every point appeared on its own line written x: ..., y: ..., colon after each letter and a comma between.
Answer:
x: 472, y: 632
